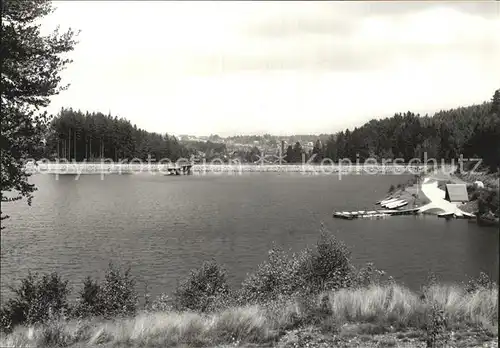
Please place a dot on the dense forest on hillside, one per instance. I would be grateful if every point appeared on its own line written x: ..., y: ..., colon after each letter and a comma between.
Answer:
x: 472, y: 131
x: 75, y: 135
x: 446, y: 135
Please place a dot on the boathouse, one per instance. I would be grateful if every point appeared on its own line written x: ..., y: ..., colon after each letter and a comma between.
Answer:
x: 456, y: 193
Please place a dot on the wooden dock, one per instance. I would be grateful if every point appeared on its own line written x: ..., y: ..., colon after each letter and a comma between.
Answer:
x: 393, y: 206
x: 373, y: 214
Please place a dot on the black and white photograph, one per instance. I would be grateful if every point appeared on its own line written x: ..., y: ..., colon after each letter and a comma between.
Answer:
x: 290, y: 174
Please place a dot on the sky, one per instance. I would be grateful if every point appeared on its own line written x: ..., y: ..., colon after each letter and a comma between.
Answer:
x: 294, y: 67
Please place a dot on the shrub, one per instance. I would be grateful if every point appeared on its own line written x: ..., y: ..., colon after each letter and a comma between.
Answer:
x: 327, y: 267
x: 204, y: 288
x: 90, y: 303
x: 368, y: 275
x: 280, y: 275
x: 162, y: 303
x: 482, y: 282
x: 391, y: 189
x: 36, y: 300
x: 436, y: 328
x: 116, y: 296
x: 118, y: 293
x: 330, y: 266
x: 488, y: 201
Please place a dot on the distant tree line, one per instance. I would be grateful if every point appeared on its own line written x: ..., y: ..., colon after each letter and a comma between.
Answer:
x: 75, y: 135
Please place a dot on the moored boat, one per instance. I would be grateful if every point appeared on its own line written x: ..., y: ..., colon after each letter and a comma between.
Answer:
x: 448, y: 215
x: 343, y: 215
x: 466, y: 215
x: 396, y: 204
x: 384, y: 202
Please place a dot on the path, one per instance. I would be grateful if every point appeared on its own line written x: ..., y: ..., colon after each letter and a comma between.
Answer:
x: 436, y: 195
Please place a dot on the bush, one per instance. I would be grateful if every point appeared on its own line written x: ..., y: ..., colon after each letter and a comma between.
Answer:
x: 35, y: 301
x: 436, y: 328
x: 488, y: 201
x: 115, y: 297
x: 90, y: 303
x: 162, y: 303
x: 482, y: 282
x: 204, y: 288
x: 330, y: 266
x: 368, y: 275
x: 118, y: 293
x: 280, y: 275
x: 327, y: 267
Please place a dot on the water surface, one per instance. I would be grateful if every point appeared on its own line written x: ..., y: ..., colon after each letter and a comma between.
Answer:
x: 164, y: 226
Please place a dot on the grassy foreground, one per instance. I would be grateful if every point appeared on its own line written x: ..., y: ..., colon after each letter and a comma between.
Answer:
x: 445, y: 313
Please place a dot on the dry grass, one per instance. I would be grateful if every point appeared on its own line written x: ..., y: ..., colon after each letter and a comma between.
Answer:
x: 372, y: 310
x: 383, y: 304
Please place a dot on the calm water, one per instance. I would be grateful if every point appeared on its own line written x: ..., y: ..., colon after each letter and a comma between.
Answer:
x: 164, y: 226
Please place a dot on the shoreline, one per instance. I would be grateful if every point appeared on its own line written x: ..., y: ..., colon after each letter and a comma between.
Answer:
x: 119, y: 168
x: 437, y: 205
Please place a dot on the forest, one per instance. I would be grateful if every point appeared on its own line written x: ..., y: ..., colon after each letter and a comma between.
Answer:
x: 472, y: 131
x: 79, y: 136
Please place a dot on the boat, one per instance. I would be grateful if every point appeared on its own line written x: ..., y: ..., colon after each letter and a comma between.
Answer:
x: 398, y: 205
x: 343, y: 215
x: 391, y: 205
x: 384, y: 202
x: 386, y: 205
x: 466, y: 215
x: 446, y: 215
x: 387, y: 211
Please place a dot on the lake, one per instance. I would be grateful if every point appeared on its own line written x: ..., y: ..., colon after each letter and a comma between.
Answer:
x: 163, y: 226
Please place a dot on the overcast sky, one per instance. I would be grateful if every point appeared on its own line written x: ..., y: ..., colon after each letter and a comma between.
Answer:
x: 276, y: 67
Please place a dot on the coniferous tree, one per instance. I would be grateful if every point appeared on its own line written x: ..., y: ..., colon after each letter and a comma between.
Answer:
x: 31, y: 66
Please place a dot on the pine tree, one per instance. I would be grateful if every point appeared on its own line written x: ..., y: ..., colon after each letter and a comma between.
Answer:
x: 31, y: 66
